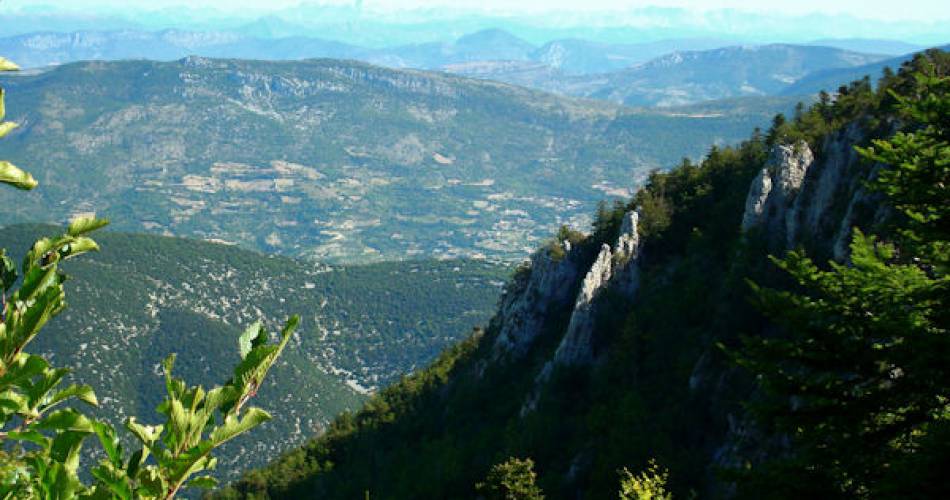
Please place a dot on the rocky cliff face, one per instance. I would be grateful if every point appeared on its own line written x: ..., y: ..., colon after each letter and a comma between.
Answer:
x: 538, y: 289
x: 550, y: 283
x: 799, y: 198
x: 613, y: 268
x: 774, y: 190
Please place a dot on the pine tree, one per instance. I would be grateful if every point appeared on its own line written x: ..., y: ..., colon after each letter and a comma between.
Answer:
x: 860, y: 380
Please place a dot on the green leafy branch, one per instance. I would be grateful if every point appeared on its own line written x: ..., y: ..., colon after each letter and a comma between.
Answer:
x: 48, y: 434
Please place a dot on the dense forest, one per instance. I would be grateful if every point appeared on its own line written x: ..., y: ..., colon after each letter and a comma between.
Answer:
x: 809, y: 374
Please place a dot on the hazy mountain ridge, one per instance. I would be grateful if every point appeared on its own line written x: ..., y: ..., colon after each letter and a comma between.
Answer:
x: 333, y: 159
x: 664, y: 73
x: 686, y: 77
x: 829, y: 79
x: 265, y: 39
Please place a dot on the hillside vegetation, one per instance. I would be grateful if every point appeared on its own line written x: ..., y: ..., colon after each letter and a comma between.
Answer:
x: 144, y: 297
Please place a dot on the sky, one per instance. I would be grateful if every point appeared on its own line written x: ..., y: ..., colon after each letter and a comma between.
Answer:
x: 909, y: 10
x: 377, y: 23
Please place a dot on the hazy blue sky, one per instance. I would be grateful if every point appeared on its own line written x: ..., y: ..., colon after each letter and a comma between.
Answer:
x: 390, y: 22
x: 921, y: 10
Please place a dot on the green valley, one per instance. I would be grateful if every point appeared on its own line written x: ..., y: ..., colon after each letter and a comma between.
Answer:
x: 336, y: 160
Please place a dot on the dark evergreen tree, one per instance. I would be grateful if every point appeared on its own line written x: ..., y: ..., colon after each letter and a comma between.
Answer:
x: 860, y: 380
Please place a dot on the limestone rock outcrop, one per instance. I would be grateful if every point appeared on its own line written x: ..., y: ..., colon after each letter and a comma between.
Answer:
x: 545, y: 284
x: 613, y: 268
x: 773, y: 192
x: 797, y: 199
x: 576, y: 346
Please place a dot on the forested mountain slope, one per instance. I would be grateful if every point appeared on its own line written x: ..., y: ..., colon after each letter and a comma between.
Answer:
x: 337, y: 160
x: 612, y: 348
x: 143, y: 297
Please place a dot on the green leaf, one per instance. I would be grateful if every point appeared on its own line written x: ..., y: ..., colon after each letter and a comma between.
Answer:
x: 65, y: 449
x: 35, y: 281
x: 135, y: 462
x: 115, y: 480
x: 37, y: 315
x: 147, y: 434
x: 65, y: 420
x: 7, y: 65
x: 82, y: 225
x: 34, y: 437
x: 79, y: 246
x: 6, y: 127
x: 36, y: 253
x: 252, y: 337
x: 12, y: 175
x: 39, y: 392
x: 12, y: 402
x: 251, y: 371
x: 23, y: 368
x: 82, y: 392
x: 106, y: 435
x: 66, y: 484
x: 233, y: 427
x: 8, y: 274
x: 203, y: 482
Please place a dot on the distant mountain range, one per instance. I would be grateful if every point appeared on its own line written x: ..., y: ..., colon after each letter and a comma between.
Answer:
x: 665, y: 73
x: 265, y: 39
x: 682, y: 77
x: 337, y: 160
x: 831, y: 78
x: 268, y: 39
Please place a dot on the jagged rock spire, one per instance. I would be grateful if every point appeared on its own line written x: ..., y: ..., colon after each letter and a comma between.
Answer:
x: 612, y: 268
x: 546, y: 284
x: 773, y: 191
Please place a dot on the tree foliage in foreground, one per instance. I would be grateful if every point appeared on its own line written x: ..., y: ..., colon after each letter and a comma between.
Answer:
x: 513, y: 479
x: 650, y: 484
x: 41, y: 430
x: 860, y: 381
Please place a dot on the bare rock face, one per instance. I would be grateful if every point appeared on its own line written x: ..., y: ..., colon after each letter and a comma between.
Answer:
x: 758, y: 196
x: 616, y: 269
x: 629, y: 241
x: 797, y: 199
x: 550, y: 282
x: 774, y: 190
x: 836, y: 186
x: 576, y: 345
x: 546, y: 285
x: 626, y: 256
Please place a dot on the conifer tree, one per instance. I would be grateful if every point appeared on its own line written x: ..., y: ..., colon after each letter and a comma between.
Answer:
x: 860, y: 379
